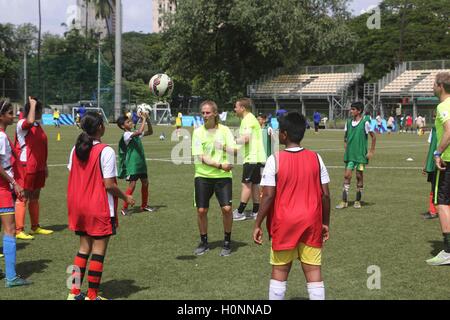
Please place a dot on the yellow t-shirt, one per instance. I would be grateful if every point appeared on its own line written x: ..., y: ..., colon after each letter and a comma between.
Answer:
x: 178, y: 119
x: 204, y: 143
x: 55, y: 114
x: 442, y: 116
x: 254, y: 149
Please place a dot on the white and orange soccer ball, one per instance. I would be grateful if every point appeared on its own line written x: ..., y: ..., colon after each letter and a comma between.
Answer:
x: 161, y: 85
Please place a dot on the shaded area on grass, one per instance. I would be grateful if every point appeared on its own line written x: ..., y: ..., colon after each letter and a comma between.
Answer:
x: 115, y: 289
x: 27, y: 268
x: 57, y: 227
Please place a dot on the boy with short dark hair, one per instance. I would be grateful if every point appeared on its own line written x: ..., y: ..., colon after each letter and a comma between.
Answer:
x: 297, y: 225
x: 356, y: 155
x: 132, y: 162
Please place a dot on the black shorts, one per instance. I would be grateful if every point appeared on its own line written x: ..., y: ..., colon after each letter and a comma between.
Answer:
x: 443, y: 186
x: 136, y: 177
x: 251, y: 173
x: 205, y: 187
x: 113, y: 225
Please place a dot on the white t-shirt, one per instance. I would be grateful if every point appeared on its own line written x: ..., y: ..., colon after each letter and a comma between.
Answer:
x: 109, y: 169
x: 5, y: 153
x: 355, y: 123
x: 268, y: 176
x: 21, y: 133
x: 127, y: 136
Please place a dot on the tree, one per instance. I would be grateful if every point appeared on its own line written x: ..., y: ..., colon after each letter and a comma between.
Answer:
x: 410, y: 30
x: 219, y: 47
x: 105, y: 9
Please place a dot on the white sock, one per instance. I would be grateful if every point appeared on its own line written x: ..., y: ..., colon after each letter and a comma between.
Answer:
x: 277, y: 289
x: 316, y: 290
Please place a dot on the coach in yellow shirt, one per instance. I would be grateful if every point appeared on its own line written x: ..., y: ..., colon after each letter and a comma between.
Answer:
x: 254, y: 157
x: 442, y: 160
x: 212, y: 174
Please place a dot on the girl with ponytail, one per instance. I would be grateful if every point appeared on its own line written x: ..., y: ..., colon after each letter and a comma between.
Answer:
x: 32, y: 148
x: 92, y: 198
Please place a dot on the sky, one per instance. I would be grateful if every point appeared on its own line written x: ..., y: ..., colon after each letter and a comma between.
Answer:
x: 137, y: 15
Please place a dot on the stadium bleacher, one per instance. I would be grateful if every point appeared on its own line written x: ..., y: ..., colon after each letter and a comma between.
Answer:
x: 320, y: 83
x: 413, y: 81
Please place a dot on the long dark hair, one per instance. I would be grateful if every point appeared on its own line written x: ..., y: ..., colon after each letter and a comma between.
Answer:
x: 5, y: 105
x: 90, y: 124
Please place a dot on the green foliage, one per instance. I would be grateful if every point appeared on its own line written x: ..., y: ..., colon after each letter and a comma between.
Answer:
x: 219, y: 47
x: 410, y: 30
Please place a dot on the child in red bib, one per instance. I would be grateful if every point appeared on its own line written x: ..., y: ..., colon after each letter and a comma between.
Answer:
x: 92, y: 197
x: 31, y: 148
x: 296, y: 202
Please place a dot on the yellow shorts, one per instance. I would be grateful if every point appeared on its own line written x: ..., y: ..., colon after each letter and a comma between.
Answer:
x: 6, y: 213
x: 355, y: 165
x: 304, y: 253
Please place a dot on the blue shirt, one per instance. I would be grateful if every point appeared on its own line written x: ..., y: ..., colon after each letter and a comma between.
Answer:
x: 316, y: 117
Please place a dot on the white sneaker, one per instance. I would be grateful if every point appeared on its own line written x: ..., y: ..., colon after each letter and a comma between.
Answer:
x: 253, y: 216
x: 238, y: 216
x: 441, y: 259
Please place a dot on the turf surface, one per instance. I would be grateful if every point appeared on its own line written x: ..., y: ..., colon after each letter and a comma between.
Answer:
x: 151, y: 256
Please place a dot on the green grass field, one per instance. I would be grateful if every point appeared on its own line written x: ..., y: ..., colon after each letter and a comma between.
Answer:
x: 151, y: 255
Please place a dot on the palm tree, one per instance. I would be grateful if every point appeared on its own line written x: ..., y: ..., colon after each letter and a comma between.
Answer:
x: 105, y: 9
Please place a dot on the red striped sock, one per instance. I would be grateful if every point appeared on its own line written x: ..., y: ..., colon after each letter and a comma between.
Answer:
x: 95, y: 275
x: 144, y: 193
x: 80, y: 262
x: 129, y: 192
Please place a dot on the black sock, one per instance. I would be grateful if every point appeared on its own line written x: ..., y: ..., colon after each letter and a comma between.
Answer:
x: 255, y: 207
x: 344, y: 196
x: 227, y: 237
x: 204, y: 238
x: 446, y: 242
x: 241, y: 207
x: 358, y: 195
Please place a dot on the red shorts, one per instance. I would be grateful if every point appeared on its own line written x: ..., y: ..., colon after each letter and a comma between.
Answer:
x: 30, y: 181
x: 6, y: 196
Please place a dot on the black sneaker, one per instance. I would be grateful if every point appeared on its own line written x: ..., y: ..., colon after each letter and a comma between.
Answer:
x: 226, y: 249
x: 428, y: 216
x: 201, y: 249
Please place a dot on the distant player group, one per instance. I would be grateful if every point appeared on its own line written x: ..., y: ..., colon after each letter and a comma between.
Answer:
x: 294, y: 198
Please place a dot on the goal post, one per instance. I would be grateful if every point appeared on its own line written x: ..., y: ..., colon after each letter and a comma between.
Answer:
x: 98, y: 110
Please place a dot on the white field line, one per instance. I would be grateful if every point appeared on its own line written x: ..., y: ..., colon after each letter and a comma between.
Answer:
x: 328, y: 167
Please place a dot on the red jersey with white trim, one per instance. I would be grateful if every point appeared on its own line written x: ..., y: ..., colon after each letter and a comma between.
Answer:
x: 31, y: 145
x: 297, y: 211
x: 87, y: 198
x: 7, y: 161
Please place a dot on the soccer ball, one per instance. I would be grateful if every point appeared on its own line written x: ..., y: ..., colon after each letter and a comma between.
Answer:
x: 161, y: 85
x: 162, y: 136
x: 144, y: 108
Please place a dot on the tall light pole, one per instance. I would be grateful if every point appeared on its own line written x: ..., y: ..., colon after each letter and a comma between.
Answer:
x: 99, y: 71
x: 25, y: 98
x: 118, y: 62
